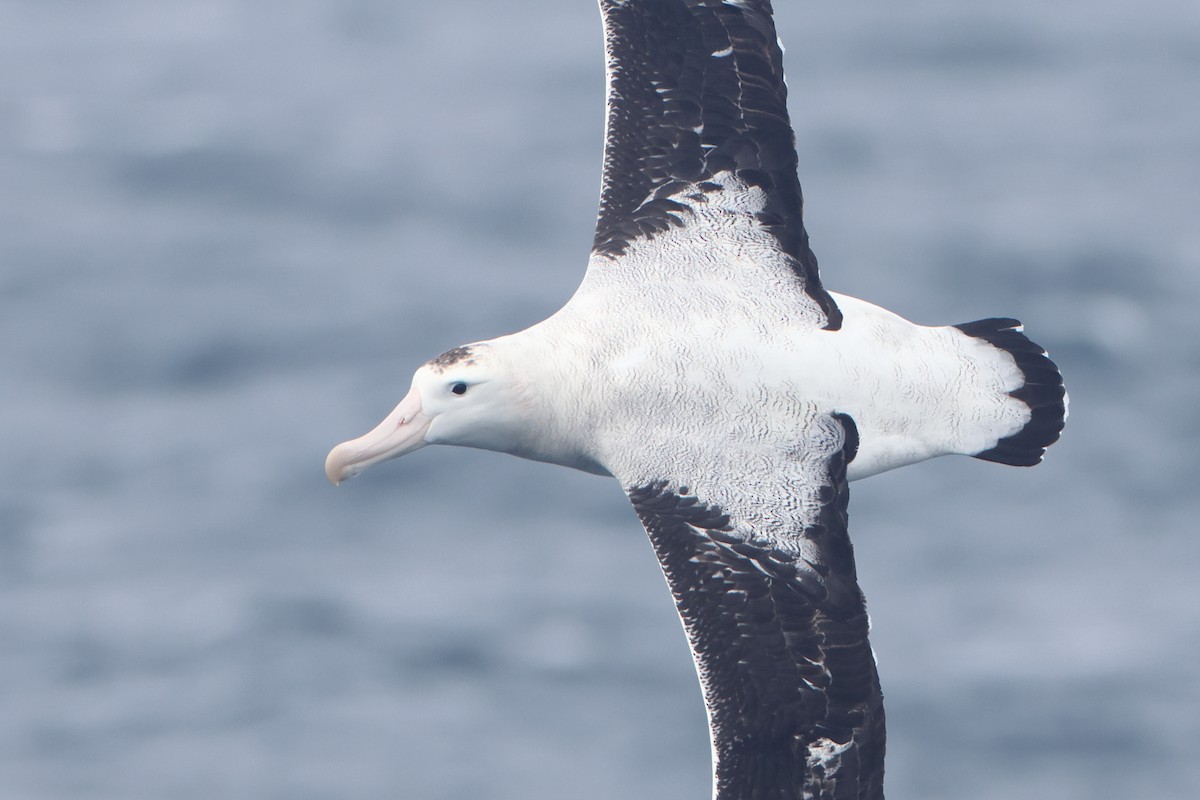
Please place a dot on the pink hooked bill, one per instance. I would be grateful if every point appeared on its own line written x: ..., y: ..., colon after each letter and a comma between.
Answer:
x: 401, y: 432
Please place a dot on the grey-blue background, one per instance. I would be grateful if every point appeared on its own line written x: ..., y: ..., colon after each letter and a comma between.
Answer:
x: 230, y: 230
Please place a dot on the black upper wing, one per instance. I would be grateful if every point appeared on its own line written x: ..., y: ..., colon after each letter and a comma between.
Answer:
x: 780, y: 643
x: 696, y: 92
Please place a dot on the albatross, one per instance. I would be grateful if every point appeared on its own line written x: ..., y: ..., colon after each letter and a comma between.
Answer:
x: 704, y: 366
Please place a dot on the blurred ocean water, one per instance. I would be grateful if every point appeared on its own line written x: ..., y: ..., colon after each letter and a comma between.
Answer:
x: 230, y: 230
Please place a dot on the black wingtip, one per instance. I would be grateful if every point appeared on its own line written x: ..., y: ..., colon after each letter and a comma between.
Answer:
x: 1043, y: 391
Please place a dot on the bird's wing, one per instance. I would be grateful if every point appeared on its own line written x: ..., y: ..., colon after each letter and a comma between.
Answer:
x: 697, y: 135
x: 755, y: 549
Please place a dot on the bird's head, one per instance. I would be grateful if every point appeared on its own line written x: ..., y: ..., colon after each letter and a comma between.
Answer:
x: 467, y: 396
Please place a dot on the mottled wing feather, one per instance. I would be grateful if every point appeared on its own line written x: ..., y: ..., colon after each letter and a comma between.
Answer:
x: 695, y: 95
x: 780, y: 643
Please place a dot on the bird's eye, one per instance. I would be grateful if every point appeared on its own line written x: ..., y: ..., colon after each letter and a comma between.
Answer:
x: 459, y: 388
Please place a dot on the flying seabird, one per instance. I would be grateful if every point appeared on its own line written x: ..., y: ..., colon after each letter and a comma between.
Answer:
x: 703, y: 365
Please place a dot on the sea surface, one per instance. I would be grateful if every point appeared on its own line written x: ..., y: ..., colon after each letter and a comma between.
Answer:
x: 230, y: 230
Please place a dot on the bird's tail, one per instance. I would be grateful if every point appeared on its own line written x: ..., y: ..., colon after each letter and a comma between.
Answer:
x: 1043, y: 391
